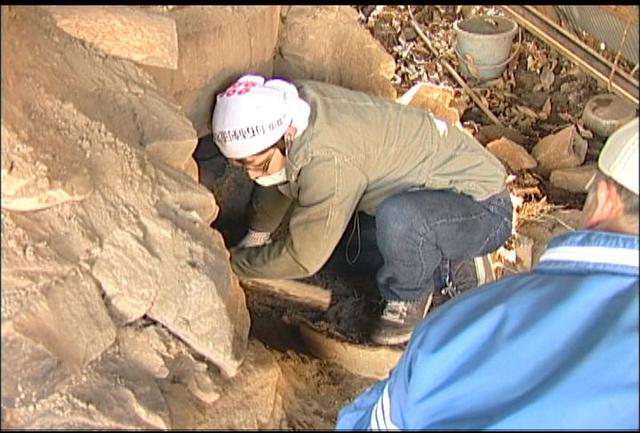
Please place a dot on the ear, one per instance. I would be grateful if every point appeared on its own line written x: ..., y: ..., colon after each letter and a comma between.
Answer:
x: 603, y: 206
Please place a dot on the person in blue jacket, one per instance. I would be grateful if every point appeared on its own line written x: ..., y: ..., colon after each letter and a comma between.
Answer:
x: 554, y: 348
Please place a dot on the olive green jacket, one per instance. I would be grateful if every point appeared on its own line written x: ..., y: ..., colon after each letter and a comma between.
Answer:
x: 358, y: 150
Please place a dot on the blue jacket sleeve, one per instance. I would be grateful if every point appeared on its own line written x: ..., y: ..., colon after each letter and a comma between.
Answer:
x: 357, y: 415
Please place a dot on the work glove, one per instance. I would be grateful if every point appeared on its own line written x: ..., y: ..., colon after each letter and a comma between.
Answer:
x: 254, y: 239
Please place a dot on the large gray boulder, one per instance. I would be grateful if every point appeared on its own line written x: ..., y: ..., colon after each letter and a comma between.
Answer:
x: 327, y: 43
x: 216, y: 45
x: 126, y: 32
x: 114, y: 91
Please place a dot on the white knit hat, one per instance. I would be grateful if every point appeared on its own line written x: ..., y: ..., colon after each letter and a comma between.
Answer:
x: 252, y: 115
x: 619, y: 156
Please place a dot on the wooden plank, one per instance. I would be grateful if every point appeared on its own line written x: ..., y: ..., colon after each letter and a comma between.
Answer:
x: 291, y: 290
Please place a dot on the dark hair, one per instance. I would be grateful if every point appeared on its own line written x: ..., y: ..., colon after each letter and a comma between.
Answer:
x: 280, y: 145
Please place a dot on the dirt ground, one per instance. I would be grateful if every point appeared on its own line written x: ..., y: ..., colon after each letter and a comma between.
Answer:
x: 315, y: 390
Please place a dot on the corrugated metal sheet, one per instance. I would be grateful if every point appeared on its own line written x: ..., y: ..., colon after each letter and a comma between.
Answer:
x: 605, y: 27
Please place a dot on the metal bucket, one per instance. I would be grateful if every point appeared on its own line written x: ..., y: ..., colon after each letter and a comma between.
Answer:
x: 482, y: 45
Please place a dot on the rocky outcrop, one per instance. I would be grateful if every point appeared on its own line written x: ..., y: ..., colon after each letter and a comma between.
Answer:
x: 148, y: 381
x: 126, y: 32
x: 216, y: 45
x: 147, y: 246
x: 108, y: 395
x: 211, y: 315
x: 326, y: 43
x: 71, y: 322
x: 29, y: 182
x: 106, y: 242
x: 116, y: 92
x: 250, y: 400
x: 144, y: 349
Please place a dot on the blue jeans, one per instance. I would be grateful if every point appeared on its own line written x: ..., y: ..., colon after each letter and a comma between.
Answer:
x: 415, y: 233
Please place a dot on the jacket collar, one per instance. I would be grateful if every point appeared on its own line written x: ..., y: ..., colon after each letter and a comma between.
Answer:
x: 298, y: 152
x: 592, y: 250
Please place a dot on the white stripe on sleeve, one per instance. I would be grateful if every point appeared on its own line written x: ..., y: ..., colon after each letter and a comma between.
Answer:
x: 381, y: 413
x: 613, y: 256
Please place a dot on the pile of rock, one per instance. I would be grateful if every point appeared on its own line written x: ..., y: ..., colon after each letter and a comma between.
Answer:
x: 119, y: 307
x: 559, y: 160
x: 560, y: 157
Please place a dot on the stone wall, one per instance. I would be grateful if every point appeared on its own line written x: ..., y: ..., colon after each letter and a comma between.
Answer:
x: 215, y: 45
x: 327, y: 44
x: 218, y: 44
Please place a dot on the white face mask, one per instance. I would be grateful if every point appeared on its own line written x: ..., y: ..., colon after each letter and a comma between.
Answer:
x: 273, y: 179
